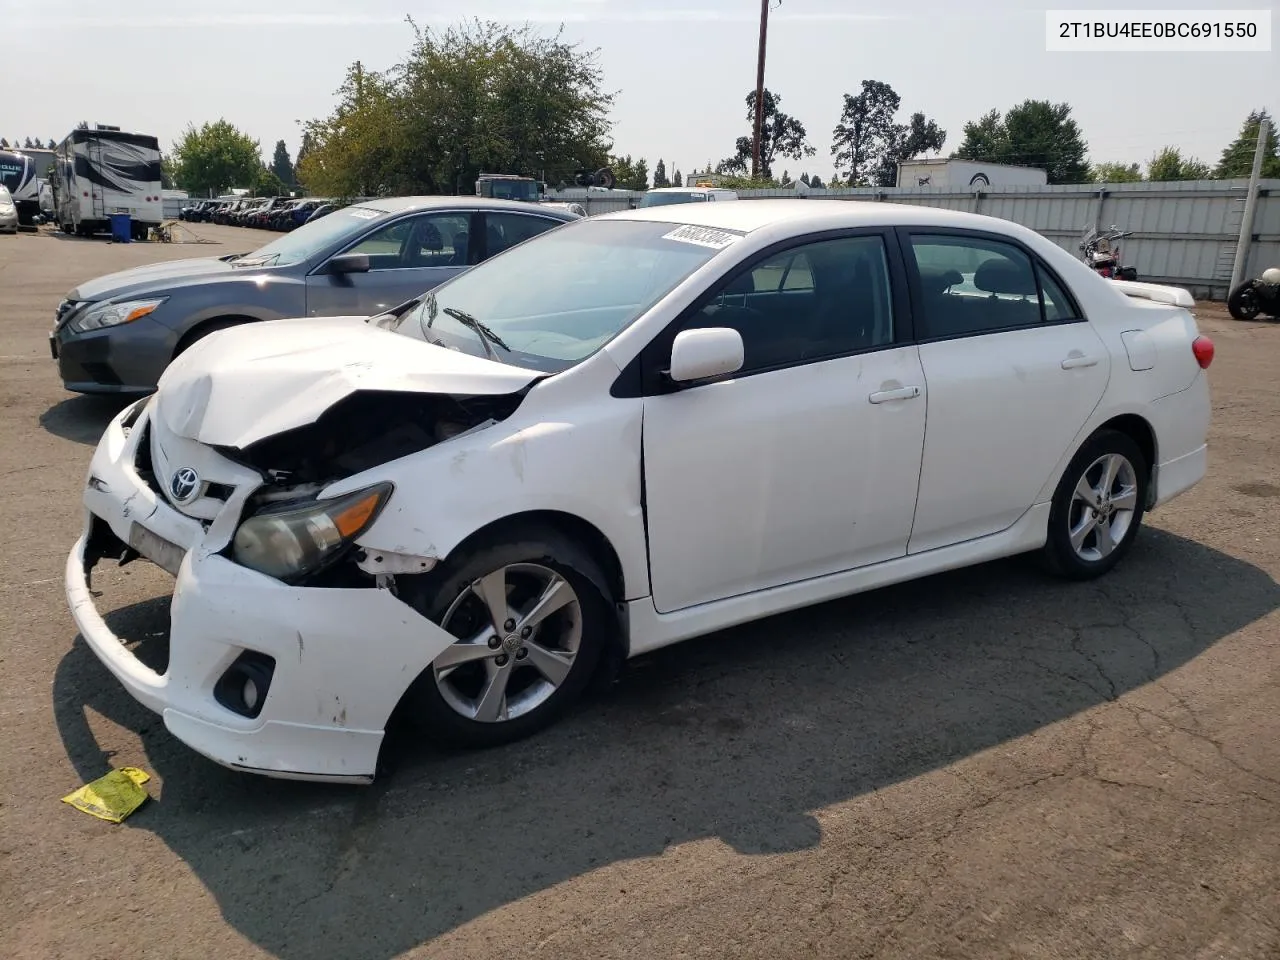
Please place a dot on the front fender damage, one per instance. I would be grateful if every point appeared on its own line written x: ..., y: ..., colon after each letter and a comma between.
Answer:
x: 361, y: 432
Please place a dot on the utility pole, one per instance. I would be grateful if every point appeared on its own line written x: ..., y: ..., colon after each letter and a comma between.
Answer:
x: 1250, y: 205
x: 755, y: 140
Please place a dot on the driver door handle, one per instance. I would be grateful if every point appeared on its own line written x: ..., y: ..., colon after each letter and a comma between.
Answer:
x: 902, y: 393
x: 1077, y: 360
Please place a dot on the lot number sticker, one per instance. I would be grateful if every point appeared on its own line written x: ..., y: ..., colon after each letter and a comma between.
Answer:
x: 703, y: 236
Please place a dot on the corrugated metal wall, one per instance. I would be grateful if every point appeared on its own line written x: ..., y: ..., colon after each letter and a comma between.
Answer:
x: 1184, y: 233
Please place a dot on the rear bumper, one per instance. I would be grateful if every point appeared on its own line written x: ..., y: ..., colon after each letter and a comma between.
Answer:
x: 1180, y: 422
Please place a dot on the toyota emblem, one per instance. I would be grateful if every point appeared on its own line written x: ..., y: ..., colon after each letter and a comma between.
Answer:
x: 184, y: 484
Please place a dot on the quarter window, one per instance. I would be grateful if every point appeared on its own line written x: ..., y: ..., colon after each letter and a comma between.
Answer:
x: 972, y: 285
x: 820, y: 300
x: 1057, y: 305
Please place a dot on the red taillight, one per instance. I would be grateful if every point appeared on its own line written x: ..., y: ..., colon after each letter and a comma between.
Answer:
x: 1202, y: 347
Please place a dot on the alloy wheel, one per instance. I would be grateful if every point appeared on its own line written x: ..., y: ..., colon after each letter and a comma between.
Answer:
x: 1103, y: 507
x: 519, y: 630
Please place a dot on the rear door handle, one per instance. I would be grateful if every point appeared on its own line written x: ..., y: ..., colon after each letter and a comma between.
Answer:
x: 902, y: 393
x: 1073, y: 363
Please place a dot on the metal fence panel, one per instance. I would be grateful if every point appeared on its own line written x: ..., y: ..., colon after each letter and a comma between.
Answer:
x: 1183, y: 233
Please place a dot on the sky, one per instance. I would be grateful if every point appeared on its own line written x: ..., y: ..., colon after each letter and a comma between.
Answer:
x: 681, y: 68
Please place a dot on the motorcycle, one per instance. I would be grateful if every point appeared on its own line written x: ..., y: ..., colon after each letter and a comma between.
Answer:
x: 1253, y: 297
x: 1103, y: 255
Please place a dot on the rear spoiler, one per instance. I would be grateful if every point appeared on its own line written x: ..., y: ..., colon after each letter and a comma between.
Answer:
x: 1154, y: 291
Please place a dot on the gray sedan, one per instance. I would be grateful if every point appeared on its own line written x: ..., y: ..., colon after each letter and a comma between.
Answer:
x: 117, y: 334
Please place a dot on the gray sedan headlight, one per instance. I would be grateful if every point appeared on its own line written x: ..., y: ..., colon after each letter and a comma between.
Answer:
x: 6, y: 209
x: 113, y: 314
x: 286, y: 540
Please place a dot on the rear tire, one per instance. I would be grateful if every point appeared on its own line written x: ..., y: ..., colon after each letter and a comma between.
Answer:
x: 1097, y: 508
x: 542, y: 672
x: 1243, y: 302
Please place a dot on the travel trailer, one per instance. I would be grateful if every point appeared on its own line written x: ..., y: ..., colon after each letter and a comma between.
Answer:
x: 102, y: 171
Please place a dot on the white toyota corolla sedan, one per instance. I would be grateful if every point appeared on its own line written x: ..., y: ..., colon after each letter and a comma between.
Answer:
x: 626, y: 432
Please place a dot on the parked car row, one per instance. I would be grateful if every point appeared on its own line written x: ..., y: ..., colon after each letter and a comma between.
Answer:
x: 265, y: 213
x: 482, y: 451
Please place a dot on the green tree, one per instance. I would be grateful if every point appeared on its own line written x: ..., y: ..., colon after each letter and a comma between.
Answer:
x: 4, y: 144
x: 816, y: 182
x: 281, y: 165
x: 984, y: 139
x: 168, y: 179
x: 660, y: 175
x: 1035, y: 133
x: 52, y: 145
x: 480, y: 97
x: 919, y: 135
x: 677, y: 179
x: 215, y: 157
x: 863, y: 139
x: 1111, y: 172
x: 630, y: 175
x: 1169, y: 164
x: 1237, y: 158
x: 267, y: 184
x: 781, y: 135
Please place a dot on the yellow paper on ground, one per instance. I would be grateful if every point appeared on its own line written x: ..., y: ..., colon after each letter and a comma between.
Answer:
x: 112, y: 797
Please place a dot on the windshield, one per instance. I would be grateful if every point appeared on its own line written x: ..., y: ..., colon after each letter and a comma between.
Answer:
x: 552, y: 301
x: 652, y: 199
x: 509, y: 189
x: 310, y: 238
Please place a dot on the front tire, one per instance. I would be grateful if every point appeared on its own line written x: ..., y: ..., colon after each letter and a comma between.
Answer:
x: 1098, y: 507
x: 532, y: 618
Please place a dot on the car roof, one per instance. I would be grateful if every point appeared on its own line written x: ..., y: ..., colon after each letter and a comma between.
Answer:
x: 403, y: 204
x: 757, y: 214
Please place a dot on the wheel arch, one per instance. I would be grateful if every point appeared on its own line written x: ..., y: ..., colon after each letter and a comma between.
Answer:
x: 197, y: 330
x: 1133, y: 425
x: 575, y: 528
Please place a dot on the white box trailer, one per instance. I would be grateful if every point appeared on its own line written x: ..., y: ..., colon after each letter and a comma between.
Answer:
x: 967, y: 174
x: 104, y: 170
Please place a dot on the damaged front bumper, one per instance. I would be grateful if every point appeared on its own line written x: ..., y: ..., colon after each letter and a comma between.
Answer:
x: 329, y: 664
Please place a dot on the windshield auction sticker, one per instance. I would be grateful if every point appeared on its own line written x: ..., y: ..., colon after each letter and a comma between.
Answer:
x: 703, y: 236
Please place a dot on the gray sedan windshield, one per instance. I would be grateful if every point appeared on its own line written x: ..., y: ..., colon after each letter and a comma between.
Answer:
x: 552, y: 301
x: 310, y: 238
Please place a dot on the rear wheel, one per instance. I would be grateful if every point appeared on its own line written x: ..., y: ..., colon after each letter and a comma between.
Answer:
x: 530, y: 617
x: 1098, y: 507
x: 1243, y: 302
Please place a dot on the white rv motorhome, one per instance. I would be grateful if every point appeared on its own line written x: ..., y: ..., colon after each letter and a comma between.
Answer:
x: 18, y: 172
x: 103, y: 170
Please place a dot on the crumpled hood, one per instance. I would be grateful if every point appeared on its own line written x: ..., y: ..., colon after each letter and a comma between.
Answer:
x: 240, y: 385
x: 149, y: 279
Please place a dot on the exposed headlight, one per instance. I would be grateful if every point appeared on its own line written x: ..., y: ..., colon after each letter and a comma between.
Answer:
x: 286, y: 540
x: 113, y: 314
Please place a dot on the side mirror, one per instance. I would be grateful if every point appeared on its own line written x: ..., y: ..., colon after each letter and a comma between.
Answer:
x: 710, y: 352
x: 349, y: 263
